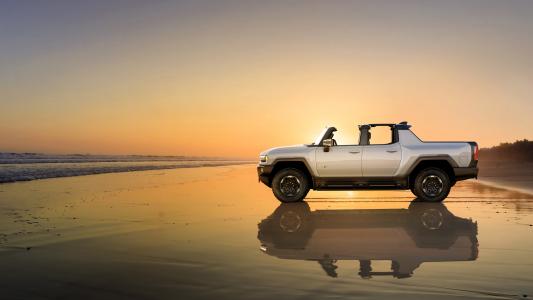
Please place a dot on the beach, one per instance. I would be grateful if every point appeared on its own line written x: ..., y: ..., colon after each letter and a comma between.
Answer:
x: 216, y: 233
x: 515, y: 175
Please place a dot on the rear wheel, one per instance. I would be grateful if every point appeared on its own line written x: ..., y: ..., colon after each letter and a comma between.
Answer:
x: 432, y: 185
x: 290, y: 185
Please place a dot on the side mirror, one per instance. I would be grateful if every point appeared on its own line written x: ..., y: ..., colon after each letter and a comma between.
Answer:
x: 327, y: 143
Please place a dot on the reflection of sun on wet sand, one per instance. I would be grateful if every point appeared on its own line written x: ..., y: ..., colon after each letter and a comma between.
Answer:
x: 193, y: 233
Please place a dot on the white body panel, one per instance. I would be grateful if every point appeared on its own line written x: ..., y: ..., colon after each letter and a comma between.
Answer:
x: 339, y: 161
x: 299, y: 152
x: 381, y: 160
x: 413, y: 149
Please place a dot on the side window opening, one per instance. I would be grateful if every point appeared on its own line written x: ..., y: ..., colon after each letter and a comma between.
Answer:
x: 344, y: 138
x: 381, y: 135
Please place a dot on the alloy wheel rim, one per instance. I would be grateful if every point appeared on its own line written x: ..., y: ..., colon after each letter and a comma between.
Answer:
x: 432, y: 185
x: 290, y: 185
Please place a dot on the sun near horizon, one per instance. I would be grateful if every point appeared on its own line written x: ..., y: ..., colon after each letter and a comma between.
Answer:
x: 233, y: 78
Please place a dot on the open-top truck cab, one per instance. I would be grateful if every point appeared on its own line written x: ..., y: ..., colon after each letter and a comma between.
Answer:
x: 402, y: 161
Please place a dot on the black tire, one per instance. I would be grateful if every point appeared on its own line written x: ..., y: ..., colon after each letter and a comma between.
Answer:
x: 432, y: 185
x: 290, y: 185
x: 412, y: 188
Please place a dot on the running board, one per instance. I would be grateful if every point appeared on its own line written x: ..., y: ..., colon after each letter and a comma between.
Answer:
x: 360, y: 184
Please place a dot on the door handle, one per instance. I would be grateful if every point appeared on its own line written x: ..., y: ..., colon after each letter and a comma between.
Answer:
x: 354, y: 152
x: 392, y: 151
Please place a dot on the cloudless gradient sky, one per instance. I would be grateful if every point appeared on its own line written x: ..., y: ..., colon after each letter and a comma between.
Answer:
x: 230, y: 78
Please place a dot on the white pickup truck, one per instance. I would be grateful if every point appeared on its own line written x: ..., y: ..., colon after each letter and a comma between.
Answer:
x: 428, y: 169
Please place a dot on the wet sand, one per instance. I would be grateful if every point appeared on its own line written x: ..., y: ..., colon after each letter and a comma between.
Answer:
x: 216, y: 233
x: 507, y: 174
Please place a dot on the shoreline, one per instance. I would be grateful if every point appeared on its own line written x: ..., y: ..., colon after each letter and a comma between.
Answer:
x: 515, y: 176
x: 11, y: 174
x: 506, y: 186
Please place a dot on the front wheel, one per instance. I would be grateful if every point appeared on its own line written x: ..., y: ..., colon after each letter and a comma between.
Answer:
x: 290, y: 185
x: 432, y: 185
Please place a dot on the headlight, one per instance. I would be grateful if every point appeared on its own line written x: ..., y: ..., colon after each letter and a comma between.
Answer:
x: 263, y: 158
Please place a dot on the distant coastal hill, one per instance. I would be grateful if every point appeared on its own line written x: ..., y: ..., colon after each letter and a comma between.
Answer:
x: 521, y: 150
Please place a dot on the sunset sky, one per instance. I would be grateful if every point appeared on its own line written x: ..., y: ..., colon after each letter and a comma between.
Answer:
x: 231, y: 78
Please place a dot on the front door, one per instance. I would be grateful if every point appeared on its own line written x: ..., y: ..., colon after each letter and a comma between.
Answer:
x: 340, y: 161
x: 381, y: 160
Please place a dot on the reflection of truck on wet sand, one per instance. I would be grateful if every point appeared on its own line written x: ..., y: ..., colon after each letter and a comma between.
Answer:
x: 426, y: 232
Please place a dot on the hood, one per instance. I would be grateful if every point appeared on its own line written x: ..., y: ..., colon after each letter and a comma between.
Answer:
x: 285, y: 150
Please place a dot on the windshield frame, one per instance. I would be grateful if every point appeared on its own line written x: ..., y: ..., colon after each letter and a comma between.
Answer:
x: 320, y: 137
